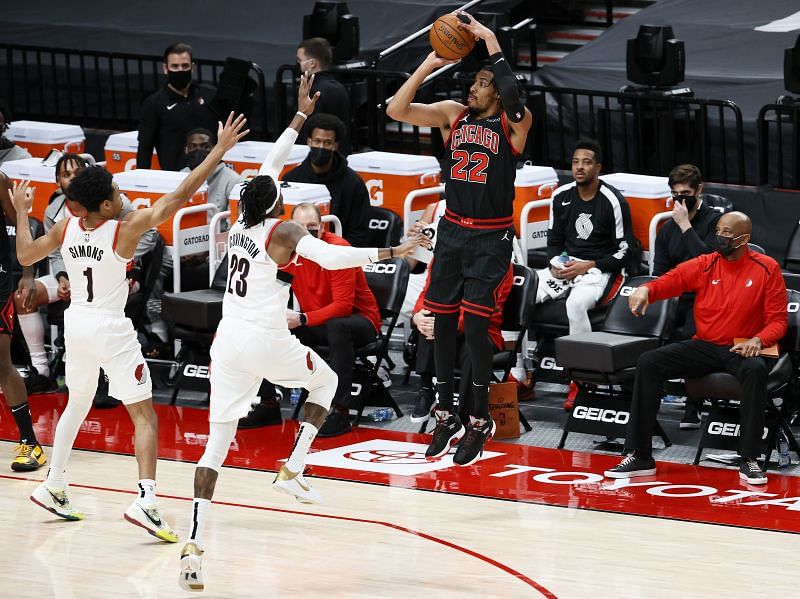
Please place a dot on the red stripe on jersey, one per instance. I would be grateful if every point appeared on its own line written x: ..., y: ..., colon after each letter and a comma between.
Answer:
x: 64, y: 231
x: 116, y: 235
x: 453, y: 126
x: 504, y: 123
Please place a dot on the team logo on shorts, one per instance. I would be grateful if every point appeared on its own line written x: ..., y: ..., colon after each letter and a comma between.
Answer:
x: 309, y: 363
x: 141, y: 374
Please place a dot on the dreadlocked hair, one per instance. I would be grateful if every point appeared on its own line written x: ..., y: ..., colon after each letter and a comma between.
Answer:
x: 257, y: 195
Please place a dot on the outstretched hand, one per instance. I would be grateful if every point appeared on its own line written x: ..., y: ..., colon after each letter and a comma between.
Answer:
x: 229, y: 134
x: 305, y: 102
x: 639, y: 300
x: 476, y: 29
x: 22, y: 196
x: 405, y: 248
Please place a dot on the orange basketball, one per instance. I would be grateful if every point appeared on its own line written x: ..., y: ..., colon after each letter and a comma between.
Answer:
x: 449, y: 40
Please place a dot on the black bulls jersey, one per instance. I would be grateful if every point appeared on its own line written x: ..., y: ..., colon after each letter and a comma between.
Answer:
x: 480, y: 168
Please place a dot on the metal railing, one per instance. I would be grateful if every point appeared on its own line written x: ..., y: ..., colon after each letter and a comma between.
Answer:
x: 639, y: 133
x: 98, y: 89
x: 778, y: 151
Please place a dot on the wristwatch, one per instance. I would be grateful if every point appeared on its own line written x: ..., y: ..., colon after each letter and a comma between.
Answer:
x: 303, y: 319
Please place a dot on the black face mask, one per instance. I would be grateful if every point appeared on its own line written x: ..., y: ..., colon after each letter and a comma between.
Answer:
x: 179, y: 79
x: 320, y: 156
x: 724, y: 245
x: 689, y: 201
x: 195, y: 157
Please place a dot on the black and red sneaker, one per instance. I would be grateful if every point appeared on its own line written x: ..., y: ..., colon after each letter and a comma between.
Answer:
x: 470, y: 449
x: 447, y: 432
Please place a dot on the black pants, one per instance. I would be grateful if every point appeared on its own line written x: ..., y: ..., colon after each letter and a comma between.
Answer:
x: 426, y: 365
x: 694, y: 358
x: 342, y: 336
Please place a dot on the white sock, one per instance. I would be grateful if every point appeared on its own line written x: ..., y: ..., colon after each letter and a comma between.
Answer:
x: 198, y: 524
x: 147, y: 492
x: 66, y: 430
x: 32, y: 329
x: 305, y: 436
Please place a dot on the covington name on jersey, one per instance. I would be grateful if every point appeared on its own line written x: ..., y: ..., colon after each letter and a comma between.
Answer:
x: 244, y: 242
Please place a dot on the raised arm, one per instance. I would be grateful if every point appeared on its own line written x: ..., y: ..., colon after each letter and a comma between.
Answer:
x: 30, y: 251
x: 519, y: 117
x: 139, y: 221
x: 438, y: 114
x: 276, y: 159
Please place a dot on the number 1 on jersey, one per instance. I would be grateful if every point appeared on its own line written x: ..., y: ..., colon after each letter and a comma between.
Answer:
x: 89, y: 284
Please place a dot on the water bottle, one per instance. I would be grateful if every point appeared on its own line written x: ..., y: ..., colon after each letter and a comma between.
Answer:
x: 563, y: 258
x: 294, y: 396
x: 382, y: 414
x: 784, y: 459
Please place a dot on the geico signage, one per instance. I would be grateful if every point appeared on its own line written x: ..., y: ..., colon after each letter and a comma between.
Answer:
x: 549, y: 363
x: 380, y: 269
x: 601, y: 415
x: 729, y: 429
x: 626, y: 290
x: 378, y: 224
x: 375, y: 188
x: 196, y: 371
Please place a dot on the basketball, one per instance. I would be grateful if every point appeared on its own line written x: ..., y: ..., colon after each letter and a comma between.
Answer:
x: 449, y: 40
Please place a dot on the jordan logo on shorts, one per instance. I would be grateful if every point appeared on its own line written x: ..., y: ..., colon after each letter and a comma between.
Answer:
x: 141, y: 374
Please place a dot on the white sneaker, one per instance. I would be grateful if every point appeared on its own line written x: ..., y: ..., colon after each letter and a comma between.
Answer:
x: 293, y: 483
x: 56, y: 501
x: 150, y: 519
x: 191, y: 576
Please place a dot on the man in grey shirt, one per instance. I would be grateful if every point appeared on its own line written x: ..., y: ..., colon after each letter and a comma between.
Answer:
x: 198, y: 144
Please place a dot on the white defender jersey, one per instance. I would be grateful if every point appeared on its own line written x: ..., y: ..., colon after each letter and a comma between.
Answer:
x: 254, y: 290
x: 97, y: 274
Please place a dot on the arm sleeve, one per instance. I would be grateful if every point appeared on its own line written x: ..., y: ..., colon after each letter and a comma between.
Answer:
x: 148, y: 128
x: 775, y: 316
x: 507, y: 86
x: 343, y: 292
x: 623, y: 237
x: 334, y: 257
x: 555, y: 230
x: 679, y: 280
x: 277, y: 156
x: 661, y: 256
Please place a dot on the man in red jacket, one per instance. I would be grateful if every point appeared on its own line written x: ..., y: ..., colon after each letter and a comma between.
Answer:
x: 740, y: 294
x: 338, y: 310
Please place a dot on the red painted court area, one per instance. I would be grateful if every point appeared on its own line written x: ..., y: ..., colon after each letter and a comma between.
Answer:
x: 507, y: 471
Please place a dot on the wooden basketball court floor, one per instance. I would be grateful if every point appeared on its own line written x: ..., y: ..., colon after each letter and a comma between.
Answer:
x: 522, y: 522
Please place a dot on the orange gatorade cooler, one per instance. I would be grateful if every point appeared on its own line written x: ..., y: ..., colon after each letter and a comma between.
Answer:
x: 40, y: 138
x: 390, y: 177
x: 120, y: 152
x: 293, y: 194
x: 646, y: 195
x: 144, y: 187
x: 41, y: 176
x: 534, y: 183
x: 246, y: 157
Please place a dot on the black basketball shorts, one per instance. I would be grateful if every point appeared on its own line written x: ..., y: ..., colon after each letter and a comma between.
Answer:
x: 470, y: 260
x: 6, y: 302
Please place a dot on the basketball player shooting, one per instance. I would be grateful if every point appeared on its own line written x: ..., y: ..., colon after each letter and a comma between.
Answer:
x: 96, y: 250
x: 482, y: 141
x: 253, y: 341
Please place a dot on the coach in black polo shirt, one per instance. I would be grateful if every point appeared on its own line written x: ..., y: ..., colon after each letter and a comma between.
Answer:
x: 692, y: 230
x: 171, y: 112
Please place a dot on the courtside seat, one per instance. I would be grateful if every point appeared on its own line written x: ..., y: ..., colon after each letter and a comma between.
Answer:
x: 199, y: 310
x: 608, y: 358
x: 549, y: 319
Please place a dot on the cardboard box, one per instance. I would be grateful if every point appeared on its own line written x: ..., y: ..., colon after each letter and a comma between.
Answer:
x: 248, y: 156
x: 41, y: 176
x: 120, y: 152
x: 144, y: 187
x: 646, y: 195
x: 389, y: 177
x: 41, y: 138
